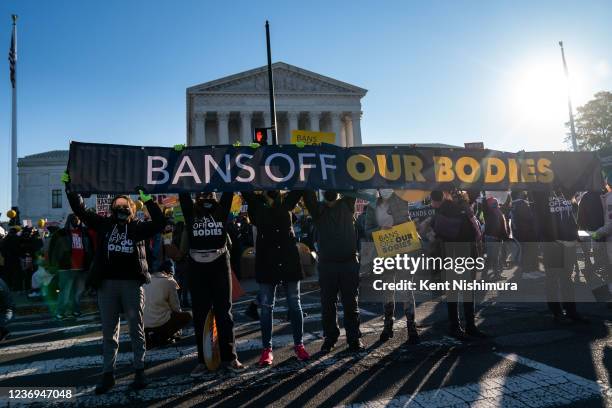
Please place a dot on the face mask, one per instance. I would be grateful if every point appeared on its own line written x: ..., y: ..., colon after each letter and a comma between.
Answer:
x: 121, y: 213
x: 74, y: 223
x: 330, y: 196
x: 386, y: 193
x: 208, y: 204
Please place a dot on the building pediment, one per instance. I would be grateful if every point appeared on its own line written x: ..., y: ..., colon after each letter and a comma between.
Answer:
x: 288, y: 79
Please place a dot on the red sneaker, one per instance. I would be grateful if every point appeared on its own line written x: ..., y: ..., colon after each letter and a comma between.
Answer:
x: 301, y: 352
x: 266, y: 357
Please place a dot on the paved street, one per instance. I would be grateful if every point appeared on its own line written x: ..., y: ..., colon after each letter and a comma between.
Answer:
x: 528, y: 362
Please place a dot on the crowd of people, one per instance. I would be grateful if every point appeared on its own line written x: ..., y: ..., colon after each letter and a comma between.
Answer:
x: 151, y: 269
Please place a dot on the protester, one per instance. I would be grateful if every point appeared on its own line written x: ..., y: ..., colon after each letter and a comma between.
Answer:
x: 605, y: 231
x: 119, y: 271
x: 69, y: 255
x: 524, y: 230
x: 455, y: 225
x: 390, y: 210
x: 495, y: 233
x: 11, y: 253
x: 30, y: 244
x: 209, y: 273
x: 559, y: 233
x: 7, y: 307
x: 277, y: 261
x: 163, y: 316
x: 338, y: 267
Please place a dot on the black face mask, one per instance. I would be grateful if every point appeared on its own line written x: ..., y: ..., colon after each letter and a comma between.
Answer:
x: 74, y: 223
x: 330, y: 195
x: 121, y: 213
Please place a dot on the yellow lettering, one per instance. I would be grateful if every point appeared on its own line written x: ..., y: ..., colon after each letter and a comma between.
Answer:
x: 512, y: 171
x: 413, y: 167
x: 528, y: 173
x: 546, y: 174
x: 443, y: 167
x: 474, y: 166
x: 495, y: 170
x: 389, y: 174
x: 357, y: 174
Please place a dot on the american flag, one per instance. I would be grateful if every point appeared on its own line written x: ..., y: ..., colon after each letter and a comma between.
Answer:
x: 13, y: 58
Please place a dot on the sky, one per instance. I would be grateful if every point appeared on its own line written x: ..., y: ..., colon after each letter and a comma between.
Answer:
x: 447, y: 71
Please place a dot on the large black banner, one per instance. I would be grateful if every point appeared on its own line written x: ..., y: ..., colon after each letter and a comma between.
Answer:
x: 104, y: 168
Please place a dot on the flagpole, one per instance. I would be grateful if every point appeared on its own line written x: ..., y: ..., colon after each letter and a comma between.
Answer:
x: 569, y: 100
x: 14, y: 185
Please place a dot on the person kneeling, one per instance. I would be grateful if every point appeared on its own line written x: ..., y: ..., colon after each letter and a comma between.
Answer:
x: 163, y: 317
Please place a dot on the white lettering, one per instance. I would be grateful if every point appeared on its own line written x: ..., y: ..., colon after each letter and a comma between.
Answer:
x: 162, y: 169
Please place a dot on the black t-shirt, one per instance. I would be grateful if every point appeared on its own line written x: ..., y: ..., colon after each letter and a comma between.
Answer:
x: 563, y: 221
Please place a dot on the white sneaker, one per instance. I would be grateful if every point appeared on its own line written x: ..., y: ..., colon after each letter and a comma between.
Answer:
x: 199, y: 370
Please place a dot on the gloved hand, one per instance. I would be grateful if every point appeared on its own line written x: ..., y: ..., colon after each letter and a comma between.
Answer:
x: 255, y: 145
x: 237, y: 143
x: 179, y: 147
x: 65, y: 177
x: 595, y: 235
x: 300, y: 144
x: 144, y: 197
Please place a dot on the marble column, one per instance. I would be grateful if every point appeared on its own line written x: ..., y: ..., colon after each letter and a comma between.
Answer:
x: 292, y: 117
x: 223, y: 129
x: 348, y: 131
x: 246, y: 131
x: 356, y: 124
x: 336, y: 123
x: 199, y: 132
x: 314, y: 120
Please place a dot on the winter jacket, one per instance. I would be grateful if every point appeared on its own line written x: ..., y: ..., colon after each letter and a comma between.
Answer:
x: 606, y: 230
x: 161, y: 300
x: 60, y: 248
x: 336, y: 227
x: 206, y: 231
x: 121, y: 253
x: 276, y: 255
x: 524, y: 227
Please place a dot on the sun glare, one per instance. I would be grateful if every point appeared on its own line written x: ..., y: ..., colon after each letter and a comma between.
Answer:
x: 540, y: 91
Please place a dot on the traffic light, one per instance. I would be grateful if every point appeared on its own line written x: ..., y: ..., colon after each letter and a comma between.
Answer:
x: 260, y: 135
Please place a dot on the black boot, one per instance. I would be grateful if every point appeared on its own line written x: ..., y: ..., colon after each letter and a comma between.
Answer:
x: 107, y: 382
x: 387, y: 332
x: 140, y: 381
x: 413, y: 334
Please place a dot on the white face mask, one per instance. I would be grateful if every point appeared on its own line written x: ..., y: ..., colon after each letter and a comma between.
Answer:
x: 386, y: 193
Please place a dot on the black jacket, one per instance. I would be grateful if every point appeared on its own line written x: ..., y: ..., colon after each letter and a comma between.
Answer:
x: 276, y: 255
x: 337, y: 235
x: 114, y: 264
x: 200, y: 231
x: 60, y: 248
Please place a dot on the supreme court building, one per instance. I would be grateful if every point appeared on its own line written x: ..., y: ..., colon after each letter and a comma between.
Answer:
x: 227, y: 110
x: 222, y: 111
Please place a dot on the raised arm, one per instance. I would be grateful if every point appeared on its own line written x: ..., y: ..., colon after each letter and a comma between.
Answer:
x: 91, y: 219
x: 225, y: 205
x: 147, y: 229
x: 186, y: 205
x: 312, y: 205
x: 292, y: 198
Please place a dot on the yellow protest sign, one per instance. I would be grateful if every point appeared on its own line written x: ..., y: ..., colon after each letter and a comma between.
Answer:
x: 312, y: 138
x: 236, y: 204
x: 399, y: 239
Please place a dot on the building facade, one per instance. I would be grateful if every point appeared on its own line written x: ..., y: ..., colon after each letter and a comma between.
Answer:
x: 222, y: 111
x: 227, y: 110
x: 41, y: 192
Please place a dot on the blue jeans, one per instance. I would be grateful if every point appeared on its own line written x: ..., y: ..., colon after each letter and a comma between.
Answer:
x: 267, y: 297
